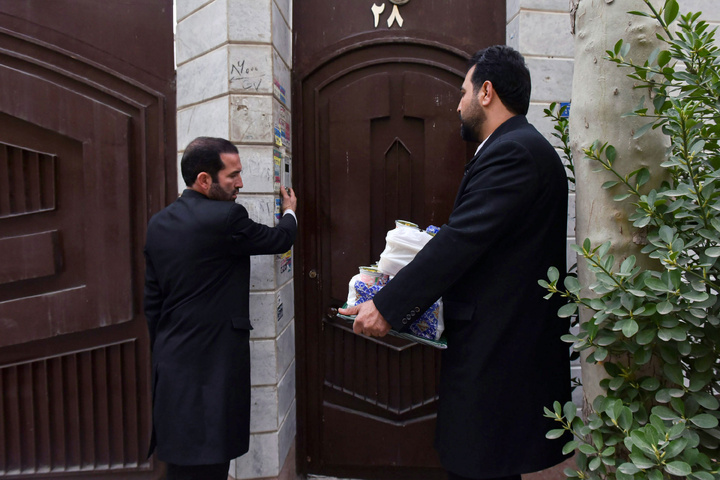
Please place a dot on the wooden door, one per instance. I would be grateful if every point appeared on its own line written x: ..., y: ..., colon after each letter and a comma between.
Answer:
x: 377, y: 139
x: 87, y: 154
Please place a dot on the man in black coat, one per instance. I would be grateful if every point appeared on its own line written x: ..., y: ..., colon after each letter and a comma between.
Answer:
x: 504, y: 360
x: 197, y: 307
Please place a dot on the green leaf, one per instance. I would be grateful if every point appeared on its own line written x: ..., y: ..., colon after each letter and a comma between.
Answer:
x: 680, y: 469
x: 656, y: 284
x: 665, y: 413
x: 704, y: 420
x: 621, y: 197
x: 702, y: 476
x: 664, y: 307
x: 675, y: 447
x: 611, y: 154
x: 570, y: 411
x: 630, y: 328
x: 609, y: 184
x: 600, y: 354
x: 651, y: 384
x: 666, y: 234
x: 671, y: 11
x: 628, y: 468
x: 553, y: 274
x: 663, y: 58
x: 618, y: 46
x: 556, y: 433
x: 567, y: 310
x: 643, y: 130
x: 587, y: 449
x: 572, y: 284
x: 570, y: 447
x: 706, y: 400
x: 646, y: 336
x: 673, y: 373
x: 642, y: 177
x: 641, y: 461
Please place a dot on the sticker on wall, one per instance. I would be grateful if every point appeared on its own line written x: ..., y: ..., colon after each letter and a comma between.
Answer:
x: 278, y: 135
x: 285, y: 262
x: 279, y: 91
x: 278, y: 210
x: 282, y: 128
x: 280, y: 306
x: 564, y: 109
x: 277, y: 169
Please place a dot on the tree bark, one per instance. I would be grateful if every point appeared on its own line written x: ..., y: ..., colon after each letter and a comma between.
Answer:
x: 601, y: 93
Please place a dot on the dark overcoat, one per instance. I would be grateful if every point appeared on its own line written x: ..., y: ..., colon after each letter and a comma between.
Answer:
x: 197, y: 307
x: 505, y: 360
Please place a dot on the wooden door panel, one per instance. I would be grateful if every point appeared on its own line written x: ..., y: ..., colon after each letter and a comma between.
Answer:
x: 87, y: 155
x: 90, y: 182
x: 380, y: 168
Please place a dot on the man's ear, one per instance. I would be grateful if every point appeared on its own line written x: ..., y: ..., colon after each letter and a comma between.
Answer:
x: 203, y: 181
x: 486, y: 93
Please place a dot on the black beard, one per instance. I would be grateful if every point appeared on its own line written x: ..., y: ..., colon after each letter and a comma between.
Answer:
x: 468, y: 133
x: 217, y: 193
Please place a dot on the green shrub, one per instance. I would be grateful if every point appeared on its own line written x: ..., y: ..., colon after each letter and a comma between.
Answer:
x: 657, y: 332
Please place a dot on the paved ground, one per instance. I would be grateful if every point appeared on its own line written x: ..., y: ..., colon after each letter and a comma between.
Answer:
x: 555, y: 473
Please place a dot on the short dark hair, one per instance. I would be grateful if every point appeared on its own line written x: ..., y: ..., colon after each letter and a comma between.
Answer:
x: 505, y: 68
x: 203, y: 155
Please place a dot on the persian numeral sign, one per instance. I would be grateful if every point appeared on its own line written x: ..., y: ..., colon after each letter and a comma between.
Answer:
x: 395, y: 16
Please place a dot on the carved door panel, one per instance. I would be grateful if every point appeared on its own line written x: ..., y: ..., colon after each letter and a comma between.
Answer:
x: 87, y: 154
x: 377, y: 139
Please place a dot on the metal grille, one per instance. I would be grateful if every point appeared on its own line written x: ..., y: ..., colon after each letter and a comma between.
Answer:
x: 58, y: 414
x: 27, y: 181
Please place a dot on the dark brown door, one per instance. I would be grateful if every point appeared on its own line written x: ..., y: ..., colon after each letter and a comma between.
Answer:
x: 377, y: 139
x: 87, y: 154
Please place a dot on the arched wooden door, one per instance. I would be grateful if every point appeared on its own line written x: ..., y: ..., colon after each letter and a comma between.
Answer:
x: 377, y: 138
x: 87, y: 155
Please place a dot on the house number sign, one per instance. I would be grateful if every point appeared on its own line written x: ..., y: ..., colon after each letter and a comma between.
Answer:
x: 395, y: 16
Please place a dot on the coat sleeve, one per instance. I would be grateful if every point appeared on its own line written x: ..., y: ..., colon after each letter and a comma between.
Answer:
x: 499, y: 186
x: 252, y: 238
x: 153, y: 298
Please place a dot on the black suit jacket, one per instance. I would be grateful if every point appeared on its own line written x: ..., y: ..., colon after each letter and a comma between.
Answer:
x: 197, y: 307
x: 505, y: 360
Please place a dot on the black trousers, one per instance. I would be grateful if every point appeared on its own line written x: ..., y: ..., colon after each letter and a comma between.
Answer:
x: 216, y: 471
x: 452, y: 476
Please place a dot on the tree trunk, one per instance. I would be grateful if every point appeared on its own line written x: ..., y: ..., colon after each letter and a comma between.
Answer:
x: 601, y: 93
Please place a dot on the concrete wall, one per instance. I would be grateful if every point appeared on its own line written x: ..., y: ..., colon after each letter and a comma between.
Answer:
x: 233, y: 72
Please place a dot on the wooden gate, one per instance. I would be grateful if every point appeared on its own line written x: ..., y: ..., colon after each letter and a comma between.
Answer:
x: 377, y: 138
x: 87, y: 154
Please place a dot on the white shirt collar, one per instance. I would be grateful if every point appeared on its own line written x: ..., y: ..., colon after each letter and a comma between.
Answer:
x: 481, y: 144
